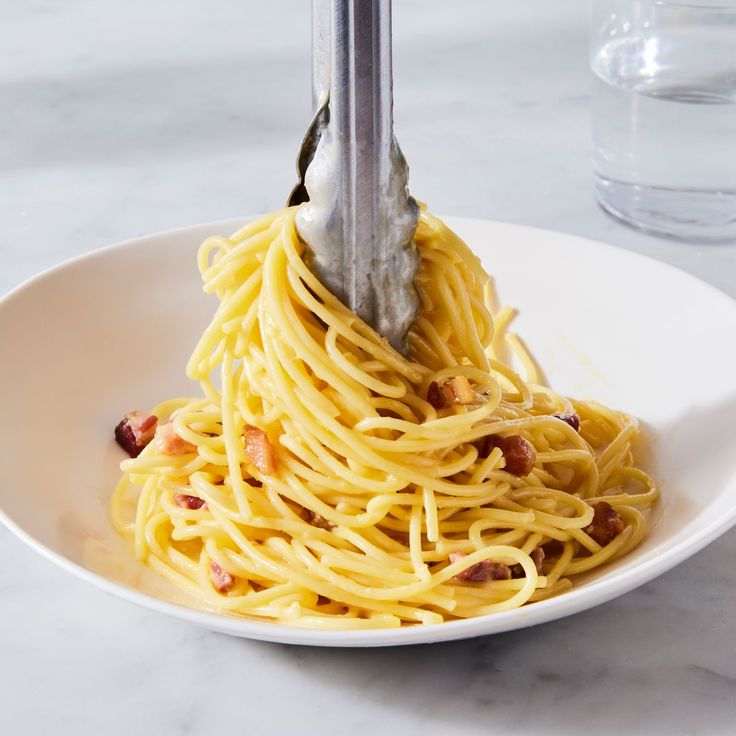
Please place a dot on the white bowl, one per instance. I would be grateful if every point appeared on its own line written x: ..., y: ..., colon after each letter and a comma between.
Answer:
x: 111, y: 331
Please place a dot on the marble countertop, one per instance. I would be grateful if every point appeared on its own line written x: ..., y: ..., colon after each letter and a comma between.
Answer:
x: 120, y: 119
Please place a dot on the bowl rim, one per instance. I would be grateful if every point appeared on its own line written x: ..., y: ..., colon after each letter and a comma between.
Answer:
x: 572, y: 601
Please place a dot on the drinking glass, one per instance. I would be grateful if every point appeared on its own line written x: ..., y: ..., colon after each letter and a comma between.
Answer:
x: 664, y: 114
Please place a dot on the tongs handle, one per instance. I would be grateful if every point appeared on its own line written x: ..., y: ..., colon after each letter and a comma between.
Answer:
x: 360, y: 220
x: 321, y: 52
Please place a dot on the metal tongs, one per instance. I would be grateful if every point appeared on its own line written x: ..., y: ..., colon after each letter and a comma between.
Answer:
x: 358, y: 220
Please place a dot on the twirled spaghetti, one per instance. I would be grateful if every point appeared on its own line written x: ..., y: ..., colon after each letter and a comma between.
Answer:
x: 381, y: 505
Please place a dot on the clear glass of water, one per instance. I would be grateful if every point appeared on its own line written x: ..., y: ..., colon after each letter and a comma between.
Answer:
x: 664, y: 115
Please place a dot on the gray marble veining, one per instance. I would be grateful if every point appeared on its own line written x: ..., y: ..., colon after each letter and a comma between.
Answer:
x: 118, y: 119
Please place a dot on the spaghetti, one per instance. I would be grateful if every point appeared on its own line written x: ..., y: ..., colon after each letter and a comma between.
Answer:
x: 325, y: 480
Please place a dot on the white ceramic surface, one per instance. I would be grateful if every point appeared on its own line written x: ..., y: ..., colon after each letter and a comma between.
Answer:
x: 112, y: 330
